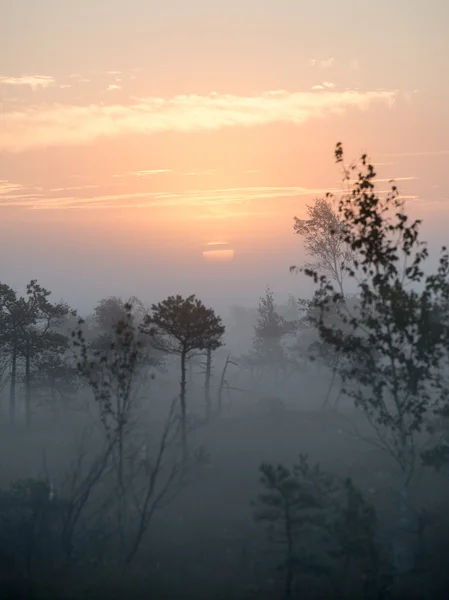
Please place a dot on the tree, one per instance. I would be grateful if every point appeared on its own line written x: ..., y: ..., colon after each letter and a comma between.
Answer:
x: 267, y: 350
x: 56, y: 379
x: 323, y: 234
x: 109, y: 312
x: 182, y: 326
x: 113, y: 373
x: 394, y: 341
x: 295, y: 505
x: 38, y: 318
x: 29, y: 329
x: 322, y: 525
x: 9, y: 339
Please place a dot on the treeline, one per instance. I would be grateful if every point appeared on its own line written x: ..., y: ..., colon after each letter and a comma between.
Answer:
x: 40, y: 350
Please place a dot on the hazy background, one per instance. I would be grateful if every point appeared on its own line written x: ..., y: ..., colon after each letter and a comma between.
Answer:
x: 133, y: 135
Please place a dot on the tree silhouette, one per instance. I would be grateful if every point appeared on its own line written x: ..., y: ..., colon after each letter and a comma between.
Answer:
x: 323, y: 234
x: 182, y: 326
x: 294, y: 505
x: 267, y: 350
x: 109, y: 312
x: 29, y: 329
x: 395, y: 340
x: 9, y: 340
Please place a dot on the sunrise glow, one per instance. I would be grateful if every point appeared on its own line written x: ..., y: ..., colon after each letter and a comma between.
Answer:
x: 148, y: 147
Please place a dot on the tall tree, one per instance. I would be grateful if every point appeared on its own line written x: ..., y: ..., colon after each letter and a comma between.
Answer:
x: 182, y: 326
x: 267, y: 350
x: 28, y: 329
x: 395, y: 340
x: 9, y: 339
x: 324, y: 240
x: 113, y: 373
x: 38, y: 318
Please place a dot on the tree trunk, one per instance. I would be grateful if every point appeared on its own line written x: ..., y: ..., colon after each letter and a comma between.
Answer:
x: 403, y: 559
x: 28, y: 389
x: 182, y: 399
x: 207, y: 384
x: 12, y: 389
x: 290, y: 552
x: 120, y: 476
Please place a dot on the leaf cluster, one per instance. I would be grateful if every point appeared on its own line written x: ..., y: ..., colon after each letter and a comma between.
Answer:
x: 181, y: 325
x: 395, y: 335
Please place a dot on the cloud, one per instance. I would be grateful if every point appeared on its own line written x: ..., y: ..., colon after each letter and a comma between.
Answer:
x: 16, y: 194
x: 113, y: 86
x: 326, y: 85
x: 33, y: 81
x: 327, y: 63
x: 6, y: 187
x: 209, y: 172
x: 74, y: 187
x: 419, y: 153
x: 212, y: 199
x: 144, y: 173
x: 59, y: 124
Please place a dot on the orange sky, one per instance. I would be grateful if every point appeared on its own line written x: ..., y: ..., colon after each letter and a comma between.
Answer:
x: 133, y: 134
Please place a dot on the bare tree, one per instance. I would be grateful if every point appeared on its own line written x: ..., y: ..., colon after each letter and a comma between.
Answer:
x: 113, y: 373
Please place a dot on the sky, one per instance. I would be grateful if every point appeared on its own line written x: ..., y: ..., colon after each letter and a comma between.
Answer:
x: 153, y: 148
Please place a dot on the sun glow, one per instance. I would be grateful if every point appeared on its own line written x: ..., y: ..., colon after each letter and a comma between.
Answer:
x: 223, y: 255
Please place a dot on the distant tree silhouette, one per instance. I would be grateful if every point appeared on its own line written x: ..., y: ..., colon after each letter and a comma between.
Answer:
x: 323, y: 234
x: 109, y: 312
x: 30, y: 329
x: 267, y: 350
x: 182, y: 326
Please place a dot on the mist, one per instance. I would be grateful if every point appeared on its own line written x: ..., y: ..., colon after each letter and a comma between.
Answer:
x: 175, y: 445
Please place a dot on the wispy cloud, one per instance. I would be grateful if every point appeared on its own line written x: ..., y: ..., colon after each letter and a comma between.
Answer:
x: 419, y: 153
x: 74, y: 187
x: 209, y: 199
x: 112, y: 87
x: 143, y: 173
x: 6, y: 187
x: 58, y: 124
x: 33, y: 81
x: 326, y: 63
x: 16, y: 194
x: 192, y: 173
x: 326, y: 85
